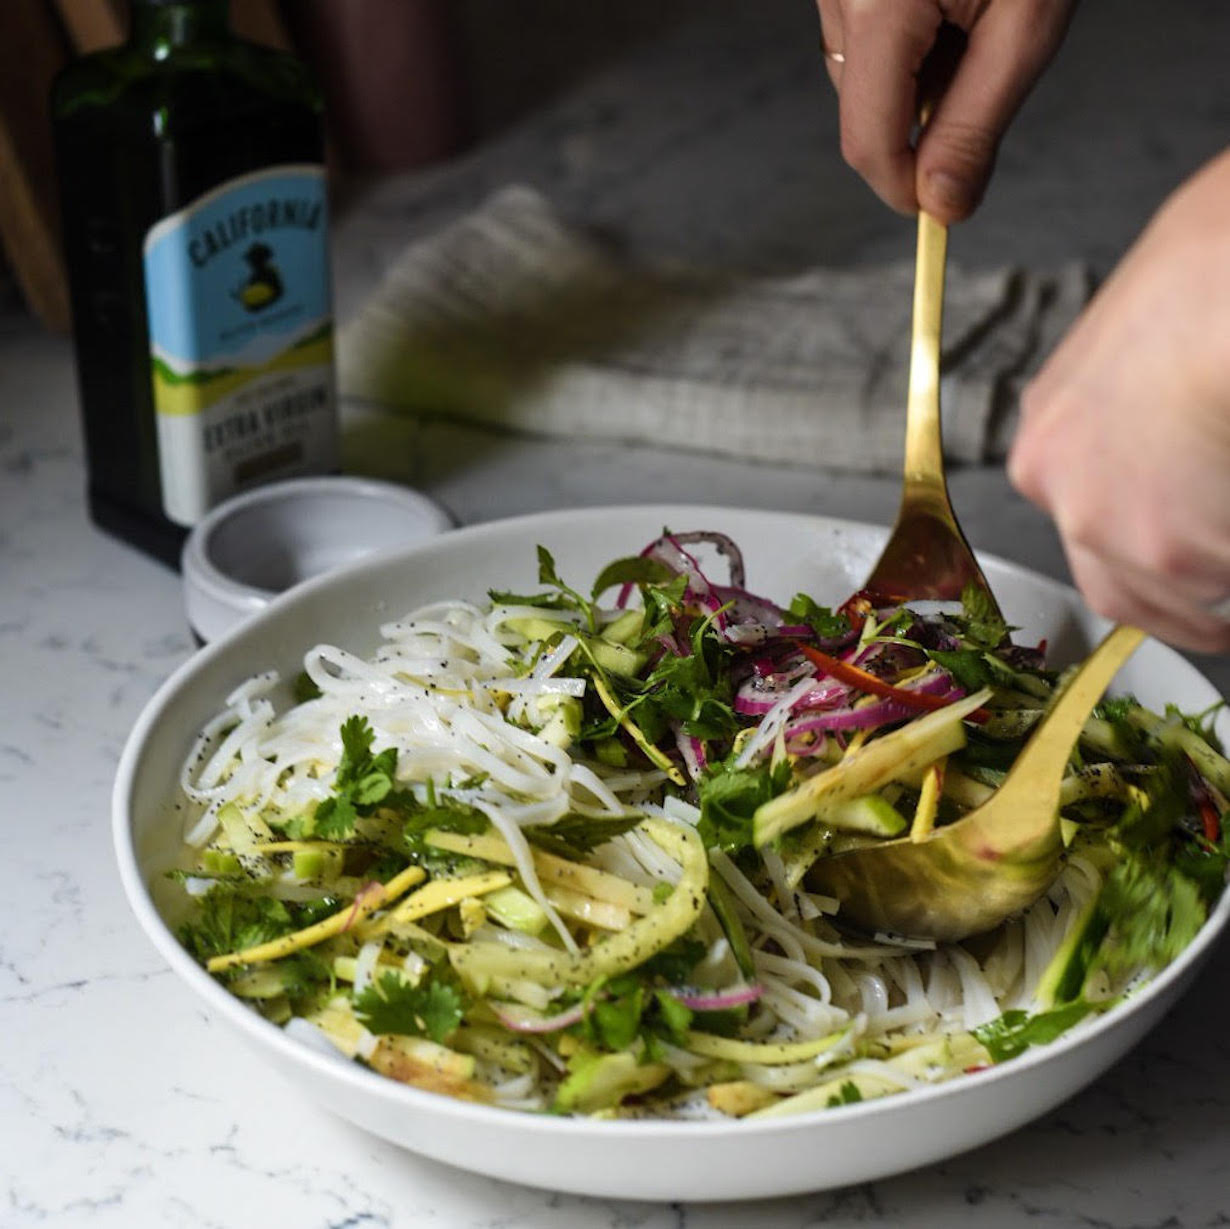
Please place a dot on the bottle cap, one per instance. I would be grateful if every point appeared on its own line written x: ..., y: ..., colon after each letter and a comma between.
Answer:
x: 254, y: 546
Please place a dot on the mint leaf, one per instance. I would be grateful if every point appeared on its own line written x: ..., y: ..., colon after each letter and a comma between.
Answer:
x: 674, y: 963
x: 447, y: 814
x: 614, y: 1023
x: 983, y: 625
x: 967, y: 666
x: 579, y: 834
x: 634, y: 570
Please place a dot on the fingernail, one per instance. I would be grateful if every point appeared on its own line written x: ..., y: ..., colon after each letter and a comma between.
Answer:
x: 953, y: 196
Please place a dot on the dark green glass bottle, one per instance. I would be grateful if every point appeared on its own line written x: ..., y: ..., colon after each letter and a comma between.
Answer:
x: 195, y: 229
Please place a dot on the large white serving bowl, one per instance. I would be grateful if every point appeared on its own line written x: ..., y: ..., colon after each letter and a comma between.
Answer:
x: 630, y: 1160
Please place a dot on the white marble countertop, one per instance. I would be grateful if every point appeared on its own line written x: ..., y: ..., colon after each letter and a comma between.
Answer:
x: 122, y: 1104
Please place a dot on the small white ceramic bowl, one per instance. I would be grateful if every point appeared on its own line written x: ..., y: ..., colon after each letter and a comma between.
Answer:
x: 252, y: 547
x: 652, y: 1160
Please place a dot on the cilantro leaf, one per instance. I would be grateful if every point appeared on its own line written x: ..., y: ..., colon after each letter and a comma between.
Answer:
x: 335, y: 818
x: 1154, y: 912
x: 363, y: 780
x: 675, y: 1017
x: 304, y: 974
x: 547, y: 575
x: 825, y: 622
x: 662, y: 603
x: 228, y: 920
x: 615, y: 1022
x: 848, y: 1093
x: 1015, y: 1031
x: 691, y: 690
x: 1205, y: 864
x: 728, y: 800
x: 433, y: 1008
x: 674, y: 963
x: 304, y: 689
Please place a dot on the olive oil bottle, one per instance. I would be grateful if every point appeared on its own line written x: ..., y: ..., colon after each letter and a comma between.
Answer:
x: 195, y: 228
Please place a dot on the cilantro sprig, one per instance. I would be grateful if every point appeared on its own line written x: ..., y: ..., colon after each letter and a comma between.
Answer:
x: 433, y: 1008
x: 729, y: 798
x: 825, y: 622
x: 982, y: 624
x: 363, y: 780
x: 1012, y: 1033
x: 620, y: 1009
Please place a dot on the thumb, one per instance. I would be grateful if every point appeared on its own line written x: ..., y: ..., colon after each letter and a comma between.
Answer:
x: 1007, y: 49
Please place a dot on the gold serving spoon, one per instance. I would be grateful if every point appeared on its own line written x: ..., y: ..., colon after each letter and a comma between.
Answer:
x: 926, y: 556
x: 971, y: 875
x: 968, y: 876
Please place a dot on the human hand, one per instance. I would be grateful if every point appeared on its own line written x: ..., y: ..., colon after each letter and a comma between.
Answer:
x: 874, y: 52
x: 1125, y: 432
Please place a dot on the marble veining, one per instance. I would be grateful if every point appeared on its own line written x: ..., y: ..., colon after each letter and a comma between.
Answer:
x: 122, y: 1105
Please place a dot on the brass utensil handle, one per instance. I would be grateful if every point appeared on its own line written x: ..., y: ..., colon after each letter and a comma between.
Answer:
x: 1039, y: 764
x: 924, y: 446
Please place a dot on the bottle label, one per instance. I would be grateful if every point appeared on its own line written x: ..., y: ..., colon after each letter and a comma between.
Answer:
x: 241, y: 338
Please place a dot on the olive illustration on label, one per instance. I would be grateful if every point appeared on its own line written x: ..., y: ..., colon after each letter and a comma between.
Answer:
x: 264, y: 284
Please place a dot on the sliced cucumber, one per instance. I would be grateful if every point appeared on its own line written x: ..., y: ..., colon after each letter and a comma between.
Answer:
x: 870, y: 814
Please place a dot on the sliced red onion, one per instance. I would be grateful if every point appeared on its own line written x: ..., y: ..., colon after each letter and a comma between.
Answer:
x: 693, y: 752
x: 753, y: 698
x: 717, y: 1000
x: 871, y: 716
x: 750, y: 607
x: 521, y: 1020
x: 725, y: 546
x: 803, y: 745
x: 867, y: 717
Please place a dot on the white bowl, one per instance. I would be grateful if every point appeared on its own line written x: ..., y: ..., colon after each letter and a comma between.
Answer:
x: 621, y: 1159
x: 252, y: 547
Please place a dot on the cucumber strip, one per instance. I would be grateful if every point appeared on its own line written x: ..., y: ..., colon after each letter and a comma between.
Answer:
x: 893, y: 757
x: 764, y: 1053
x: 377, y: 895
x: 432, y: 897
x: 477, y: 962
x: 602, y: 885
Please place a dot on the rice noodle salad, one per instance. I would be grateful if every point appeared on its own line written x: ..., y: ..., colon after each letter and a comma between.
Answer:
x: 551, y: 851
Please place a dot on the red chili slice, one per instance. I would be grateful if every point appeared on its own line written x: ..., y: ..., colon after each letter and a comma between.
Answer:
x: 1210, y: 819
x: 864, y: 680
